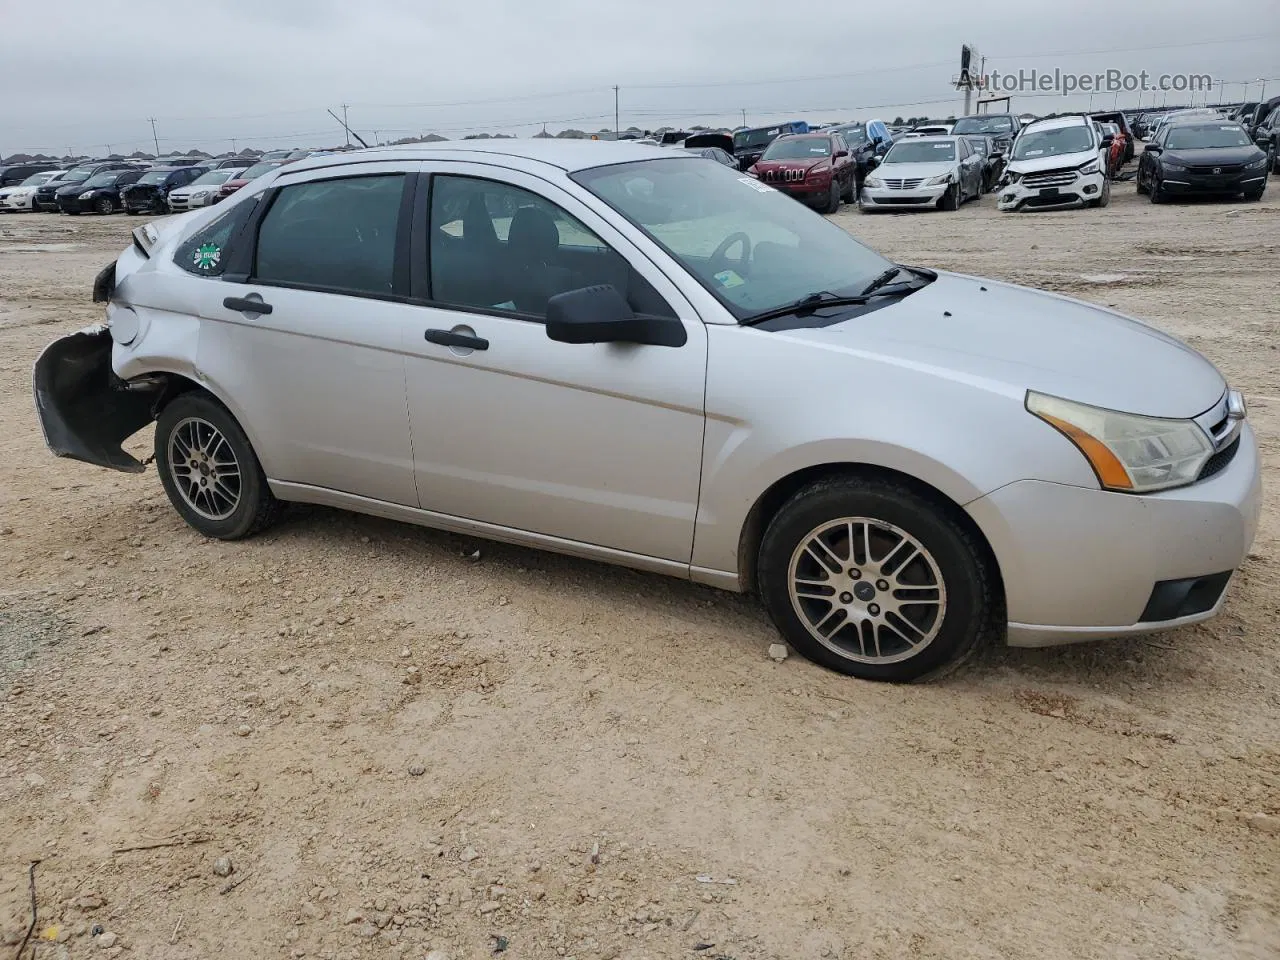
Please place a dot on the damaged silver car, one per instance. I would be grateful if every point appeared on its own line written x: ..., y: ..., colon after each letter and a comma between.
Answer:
x: 636, y: 356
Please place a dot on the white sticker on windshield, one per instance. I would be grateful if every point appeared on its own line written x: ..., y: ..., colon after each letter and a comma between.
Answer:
x: 1034, y: 153
x: 756, y: 185
x: 942, y: 146
x: 1226, y: 128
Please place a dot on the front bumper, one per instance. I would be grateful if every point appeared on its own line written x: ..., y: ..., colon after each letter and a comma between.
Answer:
x: 143, y: 202
x: 1187, y: 184
x: 18, y: 203
x: 890, y: 199
x: 1059, y: 196
x: 73, y: 204
x: 86, y: 412
x: 807, y: 191
x: 1085, y: 564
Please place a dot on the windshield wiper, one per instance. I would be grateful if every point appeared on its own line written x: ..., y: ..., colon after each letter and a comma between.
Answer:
x: 880, y: 281
x: 806, y: 305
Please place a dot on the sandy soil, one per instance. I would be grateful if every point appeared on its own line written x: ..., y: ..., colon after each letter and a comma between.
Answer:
x: 408, y: 753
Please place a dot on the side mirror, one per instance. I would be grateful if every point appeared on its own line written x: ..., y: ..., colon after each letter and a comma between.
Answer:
x: 1152, y: 148
x: 1108, y: 140
x: 600, y: 314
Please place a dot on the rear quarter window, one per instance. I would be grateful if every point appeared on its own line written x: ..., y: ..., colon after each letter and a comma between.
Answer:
x: 205, y: 252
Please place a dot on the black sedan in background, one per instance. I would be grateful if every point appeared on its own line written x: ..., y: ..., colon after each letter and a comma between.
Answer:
x: 99, y: 194
x: 1202, y: 157
x: 46, y: 196
x: 149, y: 194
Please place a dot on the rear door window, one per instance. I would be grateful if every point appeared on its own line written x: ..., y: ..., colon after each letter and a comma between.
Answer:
x: 337, y: 235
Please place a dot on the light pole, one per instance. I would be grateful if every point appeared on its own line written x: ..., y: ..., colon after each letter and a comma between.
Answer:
x: 1263, y: 95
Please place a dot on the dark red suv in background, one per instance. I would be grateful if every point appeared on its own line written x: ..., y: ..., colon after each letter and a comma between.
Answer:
x: 813, y: 167
x: 257, y: 170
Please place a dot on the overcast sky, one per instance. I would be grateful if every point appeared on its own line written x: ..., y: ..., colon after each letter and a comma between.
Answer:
x: 82, y: 74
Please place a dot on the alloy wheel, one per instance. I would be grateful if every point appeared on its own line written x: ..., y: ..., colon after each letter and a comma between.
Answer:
x: 867, y: 590
x: 204, y: 468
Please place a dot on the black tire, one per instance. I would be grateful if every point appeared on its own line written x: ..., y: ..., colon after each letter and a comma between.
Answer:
x: 953, y: 554
x: 132, y: 212
x: 833, y: 198
x: 951, y: 199
x: 1137, y: 182
x: 1153, y: 189
x: 254, y: 508
x: 1273, y: 160
x: 851, y: 189
x: 104, y: 205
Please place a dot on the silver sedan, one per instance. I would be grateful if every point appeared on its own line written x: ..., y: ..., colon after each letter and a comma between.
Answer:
x: 643, y: 358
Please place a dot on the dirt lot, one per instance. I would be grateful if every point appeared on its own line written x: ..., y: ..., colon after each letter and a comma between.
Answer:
x: 406, y: 752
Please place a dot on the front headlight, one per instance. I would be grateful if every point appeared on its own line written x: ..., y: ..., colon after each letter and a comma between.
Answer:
x: 87, y: 195
x: 199, y: 194
x: 1171, y: 167
x: 1090, y: 167
x: 1257, y: 164
x: 938, y: 181
x: 875, y: 183
x: 1129, y: 453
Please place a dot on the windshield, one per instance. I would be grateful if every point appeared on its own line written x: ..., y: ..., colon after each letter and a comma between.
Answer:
x: 217, y: 176
x: 753, y: 247
x: 983, y: 125
x: 258, y: 169
x: 979, y: 145
x: 38, y: 178
x: 1207, y: 137
x: 744, y: 139
x: 76, y: 176
x: 155, y: 176
x: 798, y: 148
x: 852, y: 135
x: 1052, y: 143
x: 102, y: 179
x: 920, y: 151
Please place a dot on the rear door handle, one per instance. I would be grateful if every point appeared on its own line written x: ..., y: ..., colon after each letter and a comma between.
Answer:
x: 450, y: 338
x: 247, y: 305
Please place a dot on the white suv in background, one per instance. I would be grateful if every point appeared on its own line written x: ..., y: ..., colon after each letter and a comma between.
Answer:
x: 1057, y: 163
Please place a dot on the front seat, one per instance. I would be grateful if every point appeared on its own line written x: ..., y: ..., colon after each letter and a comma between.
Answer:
x: 533, y: 273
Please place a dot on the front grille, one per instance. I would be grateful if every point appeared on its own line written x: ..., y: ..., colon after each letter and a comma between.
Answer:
x: 1219, y: 461
x: 903, y: 184
x: 781, y: 176
x: 1049, y: 178
x: 905, y: 201
x: 1220, y: 168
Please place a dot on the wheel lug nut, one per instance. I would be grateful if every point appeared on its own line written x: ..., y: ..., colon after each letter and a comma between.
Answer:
x: 846, y: 598
x: 882, y: 584
x: 855, y: 574
x: 874, y: 609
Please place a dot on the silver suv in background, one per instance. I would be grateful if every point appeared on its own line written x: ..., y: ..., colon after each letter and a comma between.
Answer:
x: 1056, y: 163
x: 643, y: 358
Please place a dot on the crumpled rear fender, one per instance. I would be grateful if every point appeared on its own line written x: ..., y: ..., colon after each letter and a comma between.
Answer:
x: 85, y: 410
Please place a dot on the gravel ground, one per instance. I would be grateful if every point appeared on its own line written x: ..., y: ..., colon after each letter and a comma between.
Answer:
x: 405, y: 752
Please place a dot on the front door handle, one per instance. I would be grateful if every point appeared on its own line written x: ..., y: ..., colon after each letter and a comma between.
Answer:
x: 247, y: 305
x: 451, y: 338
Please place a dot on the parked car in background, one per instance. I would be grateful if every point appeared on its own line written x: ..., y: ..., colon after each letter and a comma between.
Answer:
x: 202, y: 191
x: 1243, y: 113
x: 99, y: 194
x: 1202, y: 158
x: 1115, y: 140
x: 1000, y: 127
x: 1121, y: 122
x: 749, y: 144
x: 1056, y: 163
x: 242, y: 163
x: 931, y: 129
x: 923, y: 172
x: 727, y: 443
x: 247, y: 175
x: 865, y: 143
x: 815, y: 168
x: 46, y: 194
x: 713, y: 153
x: 1191, y: 113
x: 151, y: 192
x: 23, y: 195
x: 15, y: 173
x: 1260, y: 113
x: 1267, y: 136
x: 992, y: 159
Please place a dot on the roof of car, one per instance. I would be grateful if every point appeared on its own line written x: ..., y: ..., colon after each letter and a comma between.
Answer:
x: 1053, y: 123
x: 568, y: 155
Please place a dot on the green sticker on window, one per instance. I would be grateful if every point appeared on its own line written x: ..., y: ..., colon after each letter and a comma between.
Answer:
x: 207, y: 256
x: 728, y: 279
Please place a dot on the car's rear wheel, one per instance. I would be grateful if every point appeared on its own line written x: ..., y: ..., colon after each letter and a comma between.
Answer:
x: 874, y: 578
x: 209, y: 470
x: 105, y: 205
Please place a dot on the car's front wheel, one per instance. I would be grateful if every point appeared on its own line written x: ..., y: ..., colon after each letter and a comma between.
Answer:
x: 209, y: 470
x: 951, y: 199
x: 874, y: 578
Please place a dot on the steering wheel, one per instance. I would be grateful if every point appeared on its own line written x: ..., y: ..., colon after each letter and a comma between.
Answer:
x: 718, y: 259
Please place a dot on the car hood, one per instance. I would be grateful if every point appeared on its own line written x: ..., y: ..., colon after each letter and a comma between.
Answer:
x: 912, y: 171
x: 1058, y: 161
x: 791, y: 163
x: 1205, y: 156
x: 1000, y: 335
x: 66, y: 189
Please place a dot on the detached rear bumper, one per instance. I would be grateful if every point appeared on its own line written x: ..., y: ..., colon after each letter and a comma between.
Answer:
x: 85, y: 410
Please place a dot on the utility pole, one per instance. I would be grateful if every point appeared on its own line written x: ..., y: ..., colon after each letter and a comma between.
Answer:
x: 744, y: 116
x: 344, y: 124
x: 233, y: 145
x: 152, y: 121
x: 1263, y: 95
x: 615, y: 111
x: 376, y: 141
